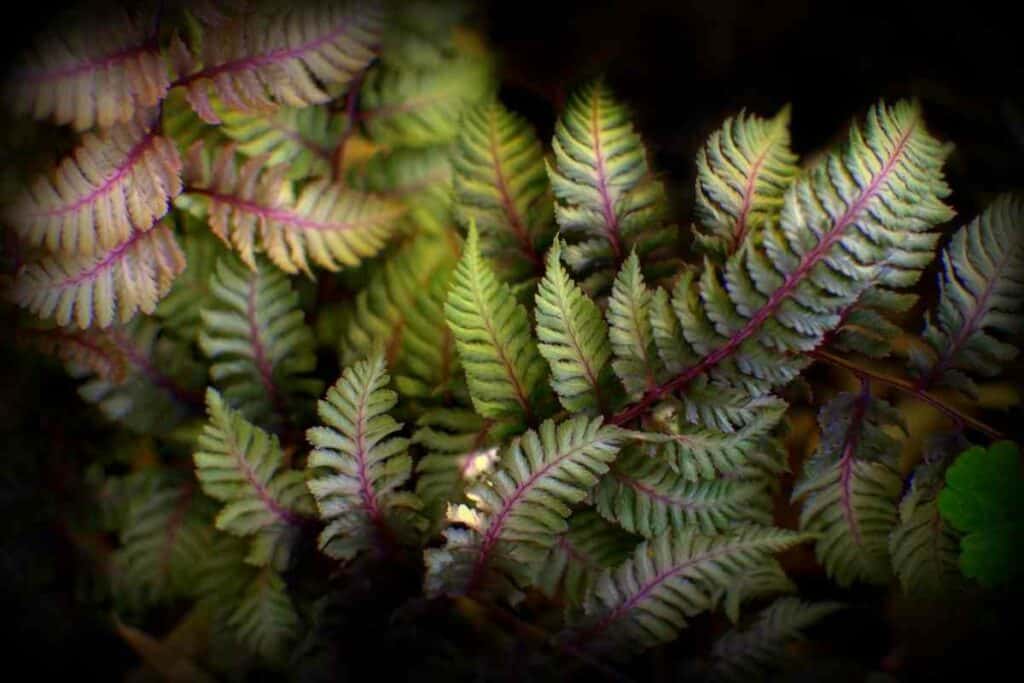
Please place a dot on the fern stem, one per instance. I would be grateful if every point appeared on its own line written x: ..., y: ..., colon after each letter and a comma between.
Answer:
x: 911, y: 389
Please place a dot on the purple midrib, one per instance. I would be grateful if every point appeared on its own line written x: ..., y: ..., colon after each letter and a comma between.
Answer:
x: 497, y: 524
x: 784, y: 290
x: 263, y: 364
x: 87, y: 65
x: 141, y: 361
x: 514, y: 219
x: 108, y: 261
x: 654, y: 494
x: 108, y: 185
x: 611, y: 220
x: 274, y: 57
x: 748, y: 197
x: 366, y: 491
x: 278, y: 510
x: 846, y: 464
x: 286, y: 217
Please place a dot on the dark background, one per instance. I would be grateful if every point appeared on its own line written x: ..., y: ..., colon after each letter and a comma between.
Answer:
x: 683, y: 67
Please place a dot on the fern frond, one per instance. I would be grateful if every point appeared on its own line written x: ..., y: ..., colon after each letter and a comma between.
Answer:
x: 589, y: 546
x: 858, y: 219
x: 325, y: 222
x: 760, y: 582
x: 114, y: 184
x: 504, y: 370
x: 608, y: 202
x: 573, y: 339
x: 750, y: 654
x: 243, y: 467
x: 418, y: 177
x: 97, y: 72
x: 259, y: 61
x: 851, y: 486
x: 644, y: 496
x: 502, y: 187
x: 93, y: 291
x: 646, y: 600
x: 925, y: 549
x: 417, y: 107
x: 90, y: 349
x: 982, y: 287
x: 190, y: 293
x: 461, y: 447
x: 260, y: 345
x: 743, y: 171
x: 358, y: 464
x: 302, y: 138
x: 166, y: 534
x: 519, y: 511
x: 630, y: 331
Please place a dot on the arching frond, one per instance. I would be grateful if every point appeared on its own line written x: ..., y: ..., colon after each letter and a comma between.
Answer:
x: 751, y: 653
x: 589, y: 546
x: 100, y: 71
x: 519, y: 511
x: 630, y: 331
x: 243, y: 467
x: 851, y: 487
x: 94, y: 291
x: 743, y: 171
x: 646, y: 600
x: 644, y: 496
x: 302, y: 138
x: 259, y: 61
x: 982, y: 289
x: 502, y: 187
x: 573, y: 339
x: 358, y: 464
x: 116, y: 183
x: 252, y: 206
x: 256, y: 336
x: 504, y: 370
x: 608, y: 201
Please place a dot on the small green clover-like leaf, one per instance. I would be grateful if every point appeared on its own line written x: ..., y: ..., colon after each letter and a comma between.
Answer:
x: 984, y: 499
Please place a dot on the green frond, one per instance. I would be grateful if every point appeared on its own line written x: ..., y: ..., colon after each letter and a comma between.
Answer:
x: 761, y: 582
x: 608, y: 201
x: 629, y: 329
x: 982, y: 289
x: 358, y: 464
x: 96, y: 291
x: 752, y: 653
x: 492, y: 332
x: 858, y: 219
x: 418, y: 177
x: 190, y: 293
x: 589, y: 546
x: 850, y: 488
x: 166, y: 533
x: 255, y: 334
x: 502, y: 187
x: 925, y: 548
x: 243, y: 467
x: 422, y: 107
x: 519, y: 511
x: 421, y: 33
x: 302, y: 138
x: 645, y: 496
x: 573, y: 339
x: 116, y: 183
x: 647, y: 600
x: 97, y: 72
x: 461, y: 448
x: 743, y: 171
x: 256, y: 208
x: 260, y: 60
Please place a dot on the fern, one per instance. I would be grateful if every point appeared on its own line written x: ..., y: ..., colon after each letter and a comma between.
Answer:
x: 752, y: 653
x: 743, y: 171
x: 98, y: 72
x: 573, y: 339
x: 631, y: 332
x: 501, y: 187
x: 252, y: 205
x: 357, y: 464
x: 256, y: 337
x: 519, y: 511
x: 303, y: 138
x: 608, y: 204
x: 647, y: 599
x: 97, y: 290
x: 851, y: 486
x: 504, y: 370
x: 243, y: 467
x: 982, y: 285
x: 255, y: 63
x: 116, y: 183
